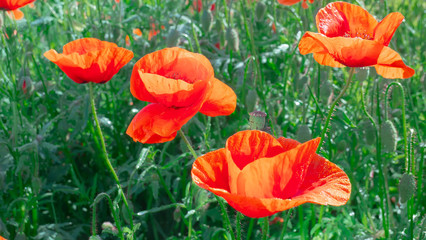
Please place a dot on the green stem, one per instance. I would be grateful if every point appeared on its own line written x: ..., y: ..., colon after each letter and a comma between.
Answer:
x: 238, y: 224
x: 286, y: 217
x: 378, y: 143
x: 105, y: 154
x: 113, y: 212
x: 191, y: 149
x: 333, y: 104
x: 265, y: 228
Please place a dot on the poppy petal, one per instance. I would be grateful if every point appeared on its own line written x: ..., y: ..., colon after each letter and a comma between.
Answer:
x: 340, y: 18
x: 157, y: 123
x: 351, y: 52
x: 326, y: 59
x: 279, y: 176
x: 326, y: 184
x: 94, y: 66
x: 85, y: 45
x: 390, y: 65
x: 386, y: 28
x: 221, y: 101
x: 288, y: 2
x: 174, y: 93
x: 211, y: 170
x: 16, y: 14
x: 173, y: 63
x: 288, y: 143
x: 12, y: 5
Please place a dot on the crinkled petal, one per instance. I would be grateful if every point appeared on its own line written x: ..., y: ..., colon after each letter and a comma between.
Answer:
x: 221, y: 100
x: 157, y: 123
x: 211, y: 170
x: 279, y: 176
x: 95, y: 66
x: 340, y: 18
x: 174, y: 93
x: 390, y: 65
x: 351, y: 52
x: 326, y: 183
x: 173, y: 63
x: 386, y: 28
x: 85, y: 45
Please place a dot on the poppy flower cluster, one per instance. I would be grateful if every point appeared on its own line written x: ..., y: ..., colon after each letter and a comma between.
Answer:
x: 350, y: 36
x: 259, y: 175
x: 178, y: 83
x: 90, y: 60
x: 13, y: 5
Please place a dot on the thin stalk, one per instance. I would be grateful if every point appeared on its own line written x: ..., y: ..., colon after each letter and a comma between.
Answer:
x: 114, y: 214
x: 265, y: 228
x: 105, y: 154
x: 250, y: 228
x: 333, y: 104
x: 238, y: 224
x: 286, y: 217
x: 378, y: 143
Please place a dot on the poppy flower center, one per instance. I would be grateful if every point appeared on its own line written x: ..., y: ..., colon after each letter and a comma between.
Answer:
x: 359, y: 33
x: 179, y: 76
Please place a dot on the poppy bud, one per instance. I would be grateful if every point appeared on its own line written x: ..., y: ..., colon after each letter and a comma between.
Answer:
x: 341, y: 146
x: 125, y: 212
x: 232, y: 39
x: 206, y: 20
x: 173, y: 38
x: 260, y: 11
x: 396, y: 97
x: 303, y: 134
x: 388, y: 135
x: 176, y: 214
x: 407, y: 187
x: 251, y: 99
x: 257, y: 120
x: 369, y: 132
x: 109, y: 228
x: 326, y: 92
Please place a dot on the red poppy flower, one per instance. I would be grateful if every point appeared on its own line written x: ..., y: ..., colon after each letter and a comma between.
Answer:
x: 178, y: 83
x: 259, y: 175
x: 90, y: 60
x: 291, y: 2
x: 350, y: 36
x: 12, y: 7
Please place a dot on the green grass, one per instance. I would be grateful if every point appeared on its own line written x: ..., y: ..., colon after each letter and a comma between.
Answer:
x: 51, y: 167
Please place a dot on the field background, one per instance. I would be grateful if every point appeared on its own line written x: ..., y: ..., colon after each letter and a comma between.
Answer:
x: 51, y: 168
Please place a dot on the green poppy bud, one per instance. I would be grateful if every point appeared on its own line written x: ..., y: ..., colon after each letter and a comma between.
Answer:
x: 303, y: 134
x: 407, y: 187
x: 260, y: 10
x: 232, y: 39
x: 173, y: 38
x: 206, y: 20
x: 257, y: 120
x: 388, y: 136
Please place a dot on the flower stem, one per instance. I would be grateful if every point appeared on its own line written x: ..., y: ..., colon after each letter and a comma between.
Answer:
x: 238, y: 224
x: 333, y: 104
x: 265, y: 228
x: 222, y: 207
x: 105, y: 154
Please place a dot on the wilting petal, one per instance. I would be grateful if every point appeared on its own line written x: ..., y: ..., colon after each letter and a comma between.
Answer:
x: 174, y: 93
x: 211, y: 170
x: 390, y: 65
x: 172, y: 63
x: 352, y: 52
x: 340, y: 18
x: 221, y: 100
x: 386, y: 28
x: 326, y: 184
x: 157, y: 123
x: 279, y: 176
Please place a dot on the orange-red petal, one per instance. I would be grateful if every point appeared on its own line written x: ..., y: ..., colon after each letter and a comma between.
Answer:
x: 351, y: 52
x: 10, y: 5
x: 340, y: 18
x: 97, y: 66
x: 386, y: 28
x: 171, y: 63
x: 157, y: 123
x: 288, y: 2
x: 221, y: 100
x: 390, y: 65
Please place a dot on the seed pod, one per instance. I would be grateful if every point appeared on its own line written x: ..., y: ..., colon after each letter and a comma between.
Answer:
x: 407, y: 187
x: 260, y: 11
x: 257, y: 120
x: 251, y: 100
x: 232, y: 39
x: 388, y: 136
x: 326, y: 92
x: 303, y: 134
x: 207, y: 20
x: 369, y: 132
x: 173, y: 38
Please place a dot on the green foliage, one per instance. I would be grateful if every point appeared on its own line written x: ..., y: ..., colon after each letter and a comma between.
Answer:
x: 51, y: 168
